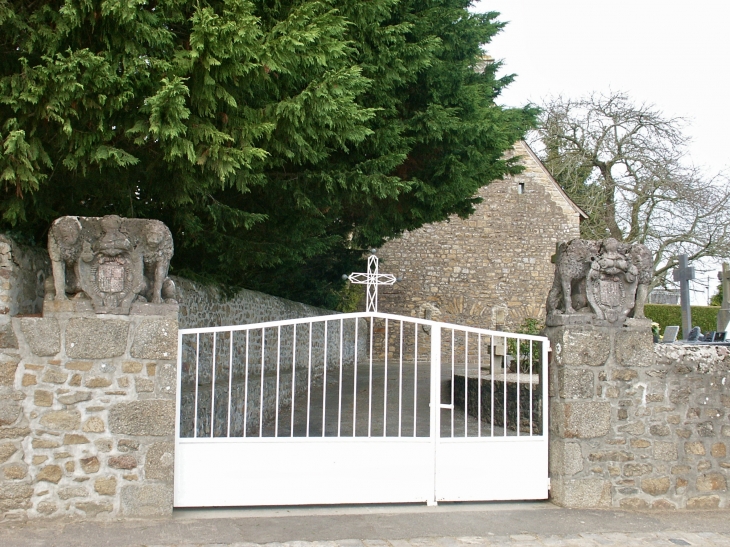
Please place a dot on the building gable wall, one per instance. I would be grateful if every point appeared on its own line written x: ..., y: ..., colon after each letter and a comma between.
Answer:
x: 490, y: 270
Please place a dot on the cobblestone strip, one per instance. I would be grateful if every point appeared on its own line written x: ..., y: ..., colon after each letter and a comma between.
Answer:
x: 613, y: 539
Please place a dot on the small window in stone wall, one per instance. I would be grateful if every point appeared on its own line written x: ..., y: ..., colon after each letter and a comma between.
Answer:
x: 521, y: 188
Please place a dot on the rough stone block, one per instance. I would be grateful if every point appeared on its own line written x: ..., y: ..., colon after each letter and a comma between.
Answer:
x: 64, y: 420
x: 655, y: 486
x: 611, y: 456
x: 54, y: 376
x: 583, y: 420
x: 583, y: 346
x: 718, y: 450
x: 575, y: 383
x: 706, y: 429
x: 73, y: 492
x: 582, y: 493
x: 15, y: 471
x: 46, y: 508
x: 711, y: 482
x: 94, y: 425
x: 634, y: 504
x: 50, y: 473
x: 703, y: 502
x: 45, y: 443
x: 122, y: 462
x: 166, y: 378
x: 42, y: 397
x: 92, y: 509
x: 131, y: 367
x: 634, y: 348
x: 624, y: 374
x: 9, y: 412
x: 140, y: 418
x: 75, y: 438
x: 97, y: 382
x: 144, y: 385
x: 90, y: 465
x: 127, y: 445
x: 158, y: 463
x: 8, y: 366
x: 92, y: 338
x: 83, y: 366
x: 665, y: 451
x: 14, y: 432
x: 695, y: 447
x: 637, y: 469
x: 155, y: 339
x: 147, y: 500
x: 660, y: 430
x: 7, y: 337
x: 43, y: 335
x: 29, y: 380
x: 106, y: 486
x: 6, y: 451
x: 74, y: 397
x: 634, y: 428
x: 15, y: 491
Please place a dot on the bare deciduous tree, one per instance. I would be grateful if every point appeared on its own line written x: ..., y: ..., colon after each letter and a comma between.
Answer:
x: 626, y: 166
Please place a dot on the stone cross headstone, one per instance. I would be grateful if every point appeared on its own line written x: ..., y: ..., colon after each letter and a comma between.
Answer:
x: 373, y: 278
x: 723, y: 316
x: 684, y: 274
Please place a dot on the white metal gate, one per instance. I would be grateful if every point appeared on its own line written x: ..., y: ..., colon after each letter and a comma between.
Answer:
x: 359, y: 408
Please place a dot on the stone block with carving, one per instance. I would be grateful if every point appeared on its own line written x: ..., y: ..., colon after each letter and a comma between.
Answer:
x: 599, y: 281
x: 112, y: 261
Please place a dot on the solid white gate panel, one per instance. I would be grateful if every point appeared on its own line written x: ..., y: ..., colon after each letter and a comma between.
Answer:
x: 484, y: 469
x: 250, y: 472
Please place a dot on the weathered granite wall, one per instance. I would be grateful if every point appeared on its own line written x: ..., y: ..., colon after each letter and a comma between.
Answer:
x: 87, y: 413
x: 635, y: 424
x: 23, y: 271
x: 204, y: 306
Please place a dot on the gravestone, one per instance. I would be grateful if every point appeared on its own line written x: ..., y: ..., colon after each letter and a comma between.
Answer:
x: 670, y: 334
x: 694, y: 334
x: 684, y: 274
x: 723, y: 316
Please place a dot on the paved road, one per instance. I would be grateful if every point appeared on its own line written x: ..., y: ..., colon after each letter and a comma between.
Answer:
x: 457, y: 525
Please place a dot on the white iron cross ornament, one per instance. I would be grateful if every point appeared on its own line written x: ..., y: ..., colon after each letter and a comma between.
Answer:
x: 372, y: 279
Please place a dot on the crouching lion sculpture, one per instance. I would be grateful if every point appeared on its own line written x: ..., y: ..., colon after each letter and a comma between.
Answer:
x: 111, y: 260
x: 605, y: 280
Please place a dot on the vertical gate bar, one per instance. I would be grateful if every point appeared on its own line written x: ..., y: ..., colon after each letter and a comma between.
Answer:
x: 531, y: 354
x: 504, y: 389
x: 309, y: 376
x: 354, y: 383
x: 435, y: 397
x: 278, y: 369
x: 245, y: 388
x: 479, y: 385
x: 453, y: 354
x: 293, y: 377
x: 212, y: 387
x: 261, y: 394
x: 466, y: 382
x: 543, y: 382
x: 370, y: 389
x: 230, y: 381
x: 339, y: 404
x: 385, y: 382
x: 518, y: 385
x: 493, y: 371
x: 400, y: 382
x: 197, y: 373
x: 415, y: 375
x: 324, y: 380
x: 178, y: 393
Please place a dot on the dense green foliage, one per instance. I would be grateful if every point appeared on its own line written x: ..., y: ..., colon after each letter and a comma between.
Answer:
x: 716, y: 299
x: 277, y: 139
x: 704, y: 317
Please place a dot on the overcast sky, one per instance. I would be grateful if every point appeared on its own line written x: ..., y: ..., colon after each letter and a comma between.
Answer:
x: 674, y: 54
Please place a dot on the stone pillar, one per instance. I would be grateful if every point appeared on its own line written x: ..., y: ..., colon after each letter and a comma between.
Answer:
x: 593, y: 417
x: 90, y: 420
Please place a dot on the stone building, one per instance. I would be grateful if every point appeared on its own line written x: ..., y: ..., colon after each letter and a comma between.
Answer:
x: 493, y: 269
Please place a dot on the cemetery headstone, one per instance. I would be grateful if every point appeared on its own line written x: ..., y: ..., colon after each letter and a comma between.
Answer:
x: 723, y: 316
x: 684, y: 274
x: 670, y: 334
x: 694, y: 334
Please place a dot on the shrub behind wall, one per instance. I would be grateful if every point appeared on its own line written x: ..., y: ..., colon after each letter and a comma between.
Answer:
x: 704, y: 317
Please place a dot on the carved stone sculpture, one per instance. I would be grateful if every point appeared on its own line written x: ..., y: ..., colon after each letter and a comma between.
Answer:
x: 599, y: 280
x: 111, y: 260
